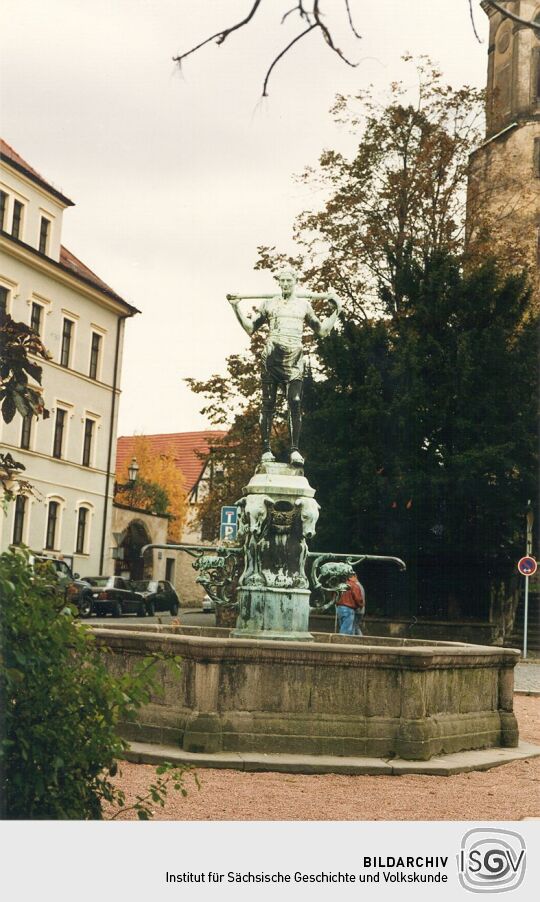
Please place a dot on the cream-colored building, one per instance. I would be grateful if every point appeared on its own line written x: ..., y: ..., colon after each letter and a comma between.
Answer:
x: 504, y: 182
x: 70, y: 457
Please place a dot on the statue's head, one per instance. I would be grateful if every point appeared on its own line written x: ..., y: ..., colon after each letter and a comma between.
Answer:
x: 287, y: 279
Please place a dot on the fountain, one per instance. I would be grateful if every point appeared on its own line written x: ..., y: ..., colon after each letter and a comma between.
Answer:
x: 270, y: 686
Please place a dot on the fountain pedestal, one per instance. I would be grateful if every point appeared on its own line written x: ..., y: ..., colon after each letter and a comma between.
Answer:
x: 278, y: 515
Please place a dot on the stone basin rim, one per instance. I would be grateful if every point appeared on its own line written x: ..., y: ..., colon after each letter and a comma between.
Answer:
x: 217, y: 644
x: 327, y: 697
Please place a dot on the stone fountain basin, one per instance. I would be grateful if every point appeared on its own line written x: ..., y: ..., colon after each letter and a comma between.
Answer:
x: 338, y: 695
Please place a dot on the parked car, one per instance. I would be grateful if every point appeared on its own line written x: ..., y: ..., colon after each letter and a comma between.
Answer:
x: 159, y: 595
x: 74, y: 590
x: 208, y: 605
x: 114, y: 595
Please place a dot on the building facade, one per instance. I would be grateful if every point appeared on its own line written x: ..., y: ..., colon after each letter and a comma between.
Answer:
x: 69, y: 457
x: 192, y: 454
x: 504, y: 178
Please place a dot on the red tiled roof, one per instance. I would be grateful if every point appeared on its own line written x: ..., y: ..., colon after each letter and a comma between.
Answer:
x: 184, y: 446
x: 78, y: 267
x: 8, y: 153
x: 67, y: 260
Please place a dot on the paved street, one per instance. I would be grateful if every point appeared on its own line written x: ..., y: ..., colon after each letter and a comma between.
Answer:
x: 527, y: 677
x: 188, y: 617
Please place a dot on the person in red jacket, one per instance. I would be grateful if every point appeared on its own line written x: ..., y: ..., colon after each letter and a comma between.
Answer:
x: 351, y: 607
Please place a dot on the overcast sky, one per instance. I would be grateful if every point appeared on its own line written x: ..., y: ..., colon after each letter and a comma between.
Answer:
x: 178, y: 178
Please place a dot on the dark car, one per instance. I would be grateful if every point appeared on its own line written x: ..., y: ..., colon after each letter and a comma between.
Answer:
x: 74, y: 590
x: 114, y: 595
x: 159, y: 595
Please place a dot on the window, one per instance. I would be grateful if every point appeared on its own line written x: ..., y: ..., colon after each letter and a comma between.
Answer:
x: 59, y: 428
x: 535, y: 76
x: 26, y: 431
x: 44, y: 235
x: 18, y: 521
x: 4, y: 294
x: 94, y: 355
x: 52, y: 523
x: 17, y: 219
x: 169, y: 569
x: 67, y: 331
x: 87, y: 444
x: 35, y: 319
x: 82, y: 521
x: 3, y: 208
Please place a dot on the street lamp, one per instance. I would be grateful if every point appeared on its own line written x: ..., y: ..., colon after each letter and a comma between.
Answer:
x: 133, y: 470
x: 133, y: 473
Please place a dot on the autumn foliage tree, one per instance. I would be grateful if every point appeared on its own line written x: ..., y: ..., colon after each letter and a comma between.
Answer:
x: 159, y: 487
x: 413, y: 434
x: 397, y: 200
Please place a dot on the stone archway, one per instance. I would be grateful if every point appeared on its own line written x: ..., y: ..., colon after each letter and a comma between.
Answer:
x: 135, y: 536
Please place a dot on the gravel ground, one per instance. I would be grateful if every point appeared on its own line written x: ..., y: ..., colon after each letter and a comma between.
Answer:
x: 510, y: 792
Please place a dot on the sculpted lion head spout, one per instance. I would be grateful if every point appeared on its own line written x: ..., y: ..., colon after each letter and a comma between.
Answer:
x: 309, y: 514
x: 254, y: 512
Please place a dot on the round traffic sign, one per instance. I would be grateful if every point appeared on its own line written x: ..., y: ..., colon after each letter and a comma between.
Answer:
x: 527, y: 566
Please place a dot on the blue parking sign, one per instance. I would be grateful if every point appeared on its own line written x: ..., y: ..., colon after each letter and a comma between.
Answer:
x: 228, y: 529
x: 527, y: 566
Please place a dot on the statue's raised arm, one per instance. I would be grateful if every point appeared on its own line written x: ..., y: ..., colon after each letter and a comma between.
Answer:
x: 282, y: 359
x: 250, y: 325
x: 325, y: 327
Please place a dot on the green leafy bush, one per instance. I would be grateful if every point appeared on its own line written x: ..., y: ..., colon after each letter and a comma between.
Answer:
x: 60, y: 707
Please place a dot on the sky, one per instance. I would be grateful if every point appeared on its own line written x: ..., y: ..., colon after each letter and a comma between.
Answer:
x: 179, y: 176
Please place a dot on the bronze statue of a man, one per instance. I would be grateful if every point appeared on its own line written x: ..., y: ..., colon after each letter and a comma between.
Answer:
x: 283, y: 359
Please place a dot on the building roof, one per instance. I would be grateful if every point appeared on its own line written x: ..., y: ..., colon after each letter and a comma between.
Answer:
x: 71, y: 262
x: 185, y: 447
x: 9, y: 155
x: 68, y: 261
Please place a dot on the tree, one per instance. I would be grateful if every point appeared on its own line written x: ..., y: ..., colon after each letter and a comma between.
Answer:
x: 159, y: 488
x: 413, y: 433
x: 416, y: 438
x: 399, y: 199
x: 509, y: 14
x: 19, y: 345
x: 312, y: 16
x: 61, y: 708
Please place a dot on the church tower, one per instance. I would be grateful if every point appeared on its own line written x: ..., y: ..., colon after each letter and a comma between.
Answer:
x: 504, y: 177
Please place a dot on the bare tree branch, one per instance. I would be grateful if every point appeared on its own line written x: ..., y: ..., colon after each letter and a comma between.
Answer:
x: 351, y: 23
x: 220, y: 36
x: 473, y: 23
x: 509, y: 15
x: 303, y: 12
x: 282, y: 54
x: 288, y: 13
x: 312, y: 17
x: 327, y: 36
x: 299, y: 8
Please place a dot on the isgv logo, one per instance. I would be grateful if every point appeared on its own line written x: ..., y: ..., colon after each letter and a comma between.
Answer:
x: 491, y: 861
